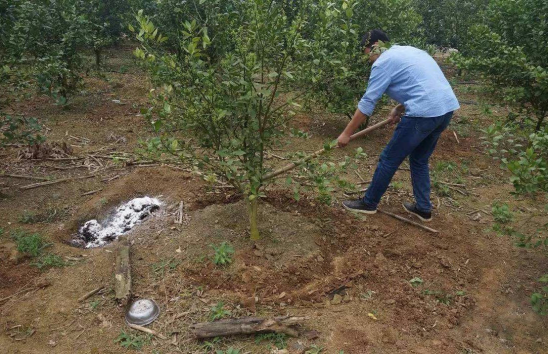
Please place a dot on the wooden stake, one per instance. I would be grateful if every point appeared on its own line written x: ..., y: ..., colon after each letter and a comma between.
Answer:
x: 321, y: 151
x: 398, y: 217
x: 247, y: 325
x: 122, y: 276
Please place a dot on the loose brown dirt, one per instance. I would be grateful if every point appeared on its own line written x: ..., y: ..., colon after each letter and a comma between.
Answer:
x: 349, y: 274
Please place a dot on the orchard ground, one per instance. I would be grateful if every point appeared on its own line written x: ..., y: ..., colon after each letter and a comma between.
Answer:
x: 349, y: 274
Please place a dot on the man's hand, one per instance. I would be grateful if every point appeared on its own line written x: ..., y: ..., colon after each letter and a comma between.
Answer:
x: 351, y: 127
x: 396, y: 113
x: 343, y: 140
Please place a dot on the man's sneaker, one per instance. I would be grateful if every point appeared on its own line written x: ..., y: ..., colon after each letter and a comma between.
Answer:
x: 412, y: 208
x: 359, y: 206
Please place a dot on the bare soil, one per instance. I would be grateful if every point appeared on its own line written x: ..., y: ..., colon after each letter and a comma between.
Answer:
x: 350, y: 275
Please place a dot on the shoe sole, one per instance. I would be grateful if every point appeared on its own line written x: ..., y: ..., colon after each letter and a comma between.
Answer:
x: 360, y: 211
x: 416, y: 214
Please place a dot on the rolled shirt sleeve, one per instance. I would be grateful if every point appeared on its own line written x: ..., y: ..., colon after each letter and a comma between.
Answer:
x: 379, y: 80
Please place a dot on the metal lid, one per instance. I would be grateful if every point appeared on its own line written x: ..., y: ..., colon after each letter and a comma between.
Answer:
x: 142, y: 312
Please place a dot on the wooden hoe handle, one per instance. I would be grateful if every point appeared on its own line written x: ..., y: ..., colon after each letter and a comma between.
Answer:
x: 321, y: 151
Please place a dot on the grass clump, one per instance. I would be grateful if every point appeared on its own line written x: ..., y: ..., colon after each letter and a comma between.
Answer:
x: 223, y: 254
x: 501, y: 213
x: 31, y: 244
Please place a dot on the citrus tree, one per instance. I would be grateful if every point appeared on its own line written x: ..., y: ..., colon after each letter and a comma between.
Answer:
x: 52, y: 57
x: 332, y: 58
x: 510, y: 49
x: 228, y: 99
x: 232, y: 103
x: 106, y: 22
x: 44, y: 43
x: 446, y: 23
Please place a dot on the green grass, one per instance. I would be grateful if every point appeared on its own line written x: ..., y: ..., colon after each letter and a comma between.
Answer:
x: 501, y: 213
x: 210, y: 345
x: 94, y: 304
x: 132, y: 341
x: 34, y: 245
x: 415, y: 281
x: 162, y: 266
x: 223, y: 254
x: 441, y: 297
x: 218, y: 312
x: 31, y: 244
x: 397, y: 185
x: 278, y: 340
x: 48, y: 261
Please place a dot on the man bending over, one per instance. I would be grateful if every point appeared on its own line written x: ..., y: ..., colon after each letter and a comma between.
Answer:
x: 426, y: 104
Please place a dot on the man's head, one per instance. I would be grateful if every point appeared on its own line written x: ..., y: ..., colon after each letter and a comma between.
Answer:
x: 370, y: 39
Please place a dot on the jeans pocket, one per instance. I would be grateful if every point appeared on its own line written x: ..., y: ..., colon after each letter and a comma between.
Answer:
x: 426, y: 125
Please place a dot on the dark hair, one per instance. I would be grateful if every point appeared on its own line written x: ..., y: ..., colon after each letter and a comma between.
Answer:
x: 371, y: 37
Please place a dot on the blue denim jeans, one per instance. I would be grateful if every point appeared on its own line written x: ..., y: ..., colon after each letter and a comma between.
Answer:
x: 415, y: 137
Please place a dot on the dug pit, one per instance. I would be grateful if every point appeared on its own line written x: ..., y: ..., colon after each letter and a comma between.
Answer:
x: 93, y: 234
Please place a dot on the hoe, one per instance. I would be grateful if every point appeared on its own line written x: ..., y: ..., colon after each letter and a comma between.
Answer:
x: 321, y: 151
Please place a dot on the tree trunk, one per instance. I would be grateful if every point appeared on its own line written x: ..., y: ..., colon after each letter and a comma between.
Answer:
x: 540, y: 119
x: 254, y: 229
x: 97, y: 56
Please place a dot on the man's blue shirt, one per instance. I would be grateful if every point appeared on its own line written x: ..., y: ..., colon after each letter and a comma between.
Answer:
x: 413, y: 78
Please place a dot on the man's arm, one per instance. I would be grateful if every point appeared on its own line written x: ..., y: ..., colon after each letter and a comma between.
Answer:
x: 379, y: 80
x: 351, y: 127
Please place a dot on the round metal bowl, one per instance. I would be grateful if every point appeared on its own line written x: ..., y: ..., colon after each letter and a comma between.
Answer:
x: 142, y: 312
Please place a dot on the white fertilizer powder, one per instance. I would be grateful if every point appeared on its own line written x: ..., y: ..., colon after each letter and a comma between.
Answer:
x: 94, y: 234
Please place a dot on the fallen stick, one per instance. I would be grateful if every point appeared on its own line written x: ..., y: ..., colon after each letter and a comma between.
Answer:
x: 122, y: 276
x: 456, y: 137
x: 247, y: 325
x: 91, y: 192
x: 90, y: 293
x: 16, y: 293
x: 407, y: 221
x: 111, y: 178
x: 451, y: 184
x: 146, y: 330
x: 321, y: 151
x: 64, y: 167
x: 61, y: 159
x: 25, y: 177
x: 458, y: 190
x: 276, y: 156
x: 40, y: 285
x: 40, y: 184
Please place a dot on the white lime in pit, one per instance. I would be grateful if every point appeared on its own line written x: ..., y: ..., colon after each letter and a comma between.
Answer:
x: 94, y: 234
